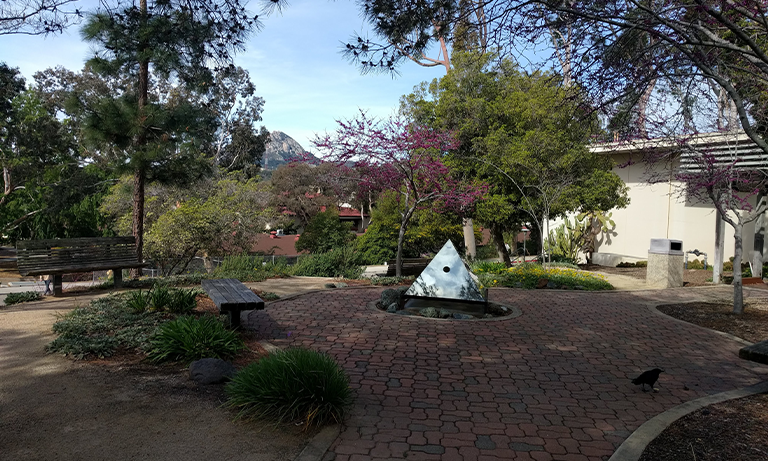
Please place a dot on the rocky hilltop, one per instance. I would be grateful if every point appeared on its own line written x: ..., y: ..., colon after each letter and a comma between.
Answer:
x: 282, y: 149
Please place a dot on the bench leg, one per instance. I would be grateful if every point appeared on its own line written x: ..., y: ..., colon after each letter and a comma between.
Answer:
x: 117, y: 278
x: 234, y: 318
x: 57, y: 290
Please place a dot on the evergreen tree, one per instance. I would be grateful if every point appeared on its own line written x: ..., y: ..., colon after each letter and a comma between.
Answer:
x: 174, y: 40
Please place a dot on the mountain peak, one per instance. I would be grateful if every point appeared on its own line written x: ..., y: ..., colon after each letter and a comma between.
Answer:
x: 282, y: 149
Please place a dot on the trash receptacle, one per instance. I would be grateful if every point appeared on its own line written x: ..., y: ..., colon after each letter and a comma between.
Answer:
x: 665, y: 263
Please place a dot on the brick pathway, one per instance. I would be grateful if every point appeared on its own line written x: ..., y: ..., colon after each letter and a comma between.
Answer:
x: 552, y: 384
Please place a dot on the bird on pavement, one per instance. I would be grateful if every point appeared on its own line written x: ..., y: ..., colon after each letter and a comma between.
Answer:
x: 648, y: 377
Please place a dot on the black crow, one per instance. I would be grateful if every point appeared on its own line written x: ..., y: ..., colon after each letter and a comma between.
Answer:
x: 648, y: 377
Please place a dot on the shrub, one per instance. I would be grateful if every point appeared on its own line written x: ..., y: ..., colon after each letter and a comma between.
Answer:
x: 527, y: 275
x: 486, y: 252
x: 488, y: 267
x: 250, y: 268
x: 387, y: 281
x: 101, y: 327
x: 324, y: 232
x: 695, y: 264
x: 190, y: 338
x: 293, y: 385
x: 641, y: 264
x: 22, y: 297
x: 340, y: 262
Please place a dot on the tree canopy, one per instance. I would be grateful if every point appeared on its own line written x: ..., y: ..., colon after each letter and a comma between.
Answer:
x: 525, y: 135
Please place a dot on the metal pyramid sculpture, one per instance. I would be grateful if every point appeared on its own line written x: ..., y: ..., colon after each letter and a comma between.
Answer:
x: 446, y: 277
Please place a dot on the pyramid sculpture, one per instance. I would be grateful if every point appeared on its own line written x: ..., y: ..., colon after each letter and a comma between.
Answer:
x: 446, y: 277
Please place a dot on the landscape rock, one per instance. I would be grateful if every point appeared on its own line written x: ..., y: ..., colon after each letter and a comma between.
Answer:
x: 389, y: 296
x: 552, y: 285
x: 429, y: 312
x: 392, y: 308
x: 211, y: 371
x: 445, y: 313
x: 542, y: 283
x: 341, y: 285
x: 329, y: 285
x: 458, y: 316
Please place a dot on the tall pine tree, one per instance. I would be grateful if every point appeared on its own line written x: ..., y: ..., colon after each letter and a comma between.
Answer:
x: 156, y: 136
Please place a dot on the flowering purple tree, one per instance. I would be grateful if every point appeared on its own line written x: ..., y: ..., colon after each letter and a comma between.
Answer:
x: 405, y: 158
x: 735, y: 190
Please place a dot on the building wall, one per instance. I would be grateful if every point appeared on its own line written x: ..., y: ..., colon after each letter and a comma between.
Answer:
x: 658, y: 211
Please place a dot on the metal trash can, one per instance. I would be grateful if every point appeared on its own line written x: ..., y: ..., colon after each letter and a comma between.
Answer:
x: 665, y: 263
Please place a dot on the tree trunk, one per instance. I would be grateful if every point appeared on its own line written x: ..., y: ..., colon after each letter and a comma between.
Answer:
x: 469, y: 239
x: 406, y: 218
x: 399, y: 258
x: 759, y: 239
x: 140, y: 174
x: 208, y: 263
x: 738, y: 291
x: 642, y: 109
x: 717, y: 265
x: 501, y: 249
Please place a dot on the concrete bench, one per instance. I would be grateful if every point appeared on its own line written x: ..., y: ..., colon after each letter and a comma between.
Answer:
x: 57, y: 257
x: 232, y: 297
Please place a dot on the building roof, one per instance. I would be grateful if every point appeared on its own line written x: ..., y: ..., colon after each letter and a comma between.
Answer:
x: 283, y: 245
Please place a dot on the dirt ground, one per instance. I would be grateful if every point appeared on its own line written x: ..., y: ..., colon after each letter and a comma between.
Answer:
x: 57, y: 409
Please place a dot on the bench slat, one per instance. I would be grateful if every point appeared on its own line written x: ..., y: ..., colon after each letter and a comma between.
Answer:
x: 231, y: 296
x: 63, y: 256
x: 75, y: 242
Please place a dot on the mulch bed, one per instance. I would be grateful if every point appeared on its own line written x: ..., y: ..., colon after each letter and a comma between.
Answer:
x: 728, y: 431
x: 732, y: 430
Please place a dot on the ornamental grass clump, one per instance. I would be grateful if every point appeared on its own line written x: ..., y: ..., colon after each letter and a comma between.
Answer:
x: 294, y: 385
x: 189, y: 338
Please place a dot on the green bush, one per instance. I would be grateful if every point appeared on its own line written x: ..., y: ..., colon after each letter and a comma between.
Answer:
x: 324, y: 232
x: 387, y: 281
x: 289, y: 386
x: 103, y: 326
x: 527, y: 275
x: 339, y: 262
x: 23, y: 297
x: 488, y: 267
x: 188, y: 338
x: 486, y: 252
x: 250, y: 268
x: 695, y: 264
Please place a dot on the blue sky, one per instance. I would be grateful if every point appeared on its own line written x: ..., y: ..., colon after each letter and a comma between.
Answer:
x: 294, y: 61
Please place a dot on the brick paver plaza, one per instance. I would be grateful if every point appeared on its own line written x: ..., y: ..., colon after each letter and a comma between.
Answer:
x: 551, y: 384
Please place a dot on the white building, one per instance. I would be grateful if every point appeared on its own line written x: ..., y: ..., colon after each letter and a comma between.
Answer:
x: 660, y: 211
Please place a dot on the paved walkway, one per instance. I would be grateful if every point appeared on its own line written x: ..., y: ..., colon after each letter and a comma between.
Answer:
x: 552, y: 384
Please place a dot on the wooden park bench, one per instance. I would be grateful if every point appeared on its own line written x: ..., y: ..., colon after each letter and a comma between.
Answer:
x: 232, y: 297
x: 411, y: 266
x: 65, y: 256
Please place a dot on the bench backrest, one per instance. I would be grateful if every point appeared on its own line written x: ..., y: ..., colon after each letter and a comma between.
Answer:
x: 41, y: 257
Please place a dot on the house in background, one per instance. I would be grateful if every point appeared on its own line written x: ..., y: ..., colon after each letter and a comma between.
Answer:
x: 659, y: 210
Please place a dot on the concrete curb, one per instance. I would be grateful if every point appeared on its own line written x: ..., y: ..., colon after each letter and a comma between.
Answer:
x: 635, y: 444
x: 319, y: 444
